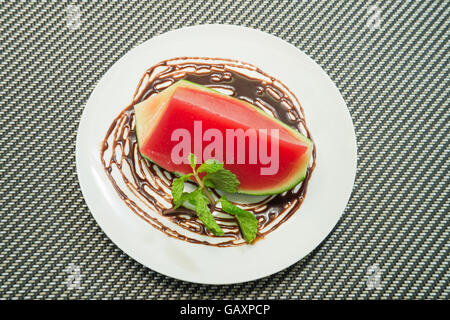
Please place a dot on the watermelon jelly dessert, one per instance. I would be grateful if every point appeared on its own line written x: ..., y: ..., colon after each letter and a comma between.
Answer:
x: 267, y: 156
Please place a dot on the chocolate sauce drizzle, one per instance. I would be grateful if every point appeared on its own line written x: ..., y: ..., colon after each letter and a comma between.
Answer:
x: 145, y: 187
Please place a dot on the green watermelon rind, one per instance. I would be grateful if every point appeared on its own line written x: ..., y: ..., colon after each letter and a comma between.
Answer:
x: 272, y: 191
x: 275, y: 190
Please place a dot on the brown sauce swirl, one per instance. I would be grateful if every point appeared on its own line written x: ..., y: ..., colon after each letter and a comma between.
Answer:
x: 145, y: 187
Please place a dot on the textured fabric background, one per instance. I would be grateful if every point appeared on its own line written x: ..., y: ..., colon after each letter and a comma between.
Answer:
x: 395, y: 80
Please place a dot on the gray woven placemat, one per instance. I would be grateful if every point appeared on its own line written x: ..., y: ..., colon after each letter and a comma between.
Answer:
x: 393, y: 72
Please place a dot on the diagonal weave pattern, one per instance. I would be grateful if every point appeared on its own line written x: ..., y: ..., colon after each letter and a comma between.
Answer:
x: 395, y: 80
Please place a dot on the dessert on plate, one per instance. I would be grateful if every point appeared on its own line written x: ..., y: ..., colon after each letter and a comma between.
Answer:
x: 210, y: 151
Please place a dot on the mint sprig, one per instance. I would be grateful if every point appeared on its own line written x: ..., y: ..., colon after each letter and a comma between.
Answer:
x: 216, y: 177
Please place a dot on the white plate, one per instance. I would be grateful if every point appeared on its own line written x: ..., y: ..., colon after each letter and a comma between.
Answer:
x: 329, y: 188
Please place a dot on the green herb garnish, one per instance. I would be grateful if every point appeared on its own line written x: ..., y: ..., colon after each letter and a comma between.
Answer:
x: 177, y: 190
x: 247, y: 220
x: 216, y: 177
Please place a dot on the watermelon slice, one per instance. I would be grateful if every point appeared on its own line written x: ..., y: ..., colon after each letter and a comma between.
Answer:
x: 186, y: 109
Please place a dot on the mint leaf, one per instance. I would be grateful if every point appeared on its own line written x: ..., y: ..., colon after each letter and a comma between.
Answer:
x: 222, y: 179
x: 184, y: 201
x: 193, y: 161
x: 208, y: 184
x: 177, y: 189
x: 246, y: 220
x: 198, y: 199
x: 210, y: 166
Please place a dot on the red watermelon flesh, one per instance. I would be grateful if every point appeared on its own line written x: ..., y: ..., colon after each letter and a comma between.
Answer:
x: 195, y: 109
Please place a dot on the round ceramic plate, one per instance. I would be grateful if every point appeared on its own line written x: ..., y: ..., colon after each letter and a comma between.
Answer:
x: 329, y: 189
